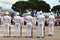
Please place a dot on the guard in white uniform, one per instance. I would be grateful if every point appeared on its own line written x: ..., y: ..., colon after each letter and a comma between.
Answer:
x: 29, y: 20
x: 41, y: 21
x: 22, y: 20
x: 17, y: 26
x: 34, y: 21
x: 2, y: 20
x: 51, y: 22
x: 6, y: 24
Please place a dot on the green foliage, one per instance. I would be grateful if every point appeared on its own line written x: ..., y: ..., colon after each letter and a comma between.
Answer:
x: 20, y: 6
x: 33, y: 0
x: 56, y: 8
x: 37, y: 5
x: 42, y: 5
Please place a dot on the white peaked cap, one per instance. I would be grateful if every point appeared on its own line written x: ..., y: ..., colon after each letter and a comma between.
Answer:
x: 7, y: 12
x: 51, y: 12
x: 29, y: 13
x: 27, y: 10
x: 17, y: 13
x: 34, y: 14
x: 50, y: 9
x: 40, y: 11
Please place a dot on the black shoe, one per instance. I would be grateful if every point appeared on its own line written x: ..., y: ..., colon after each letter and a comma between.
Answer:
x: 50, y: 35
x: 26, y: 36
x: 30, y: 36
x: 42, y: 37
x: 18, y: 36
x: 14, y: 36
x: 6, y: 36
x: 38, y: 37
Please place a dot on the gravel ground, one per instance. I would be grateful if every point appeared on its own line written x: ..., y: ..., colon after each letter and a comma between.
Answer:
x: 56, y: 35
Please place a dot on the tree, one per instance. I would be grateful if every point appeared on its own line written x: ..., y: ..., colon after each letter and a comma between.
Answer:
x: 20, y: 6
x: 33, y: 0
x: 42, y: 5
x: 56, y: 9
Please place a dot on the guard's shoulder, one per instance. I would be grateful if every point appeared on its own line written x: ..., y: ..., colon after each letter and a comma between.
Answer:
x: 4, y: 16
x: 38, y: 15
x: 43, y: 16
x: 14, y: 16
x: 18, y: 17
x: 31, y: 17
x: 26, y: 16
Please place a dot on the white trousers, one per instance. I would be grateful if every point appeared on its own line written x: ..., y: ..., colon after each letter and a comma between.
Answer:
x: 50, y: 28
x: 34, y: 24
x: 29, y: 29
x: 17, y: 29
x: 22, y: 22
x: 6, y: 29
x: 41, y: 29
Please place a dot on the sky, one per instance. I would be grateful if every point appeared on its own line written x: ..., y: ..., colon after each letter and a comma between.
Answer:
x: 8, y: 3
x: 52, y: 2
